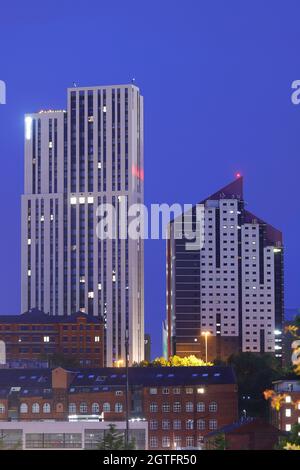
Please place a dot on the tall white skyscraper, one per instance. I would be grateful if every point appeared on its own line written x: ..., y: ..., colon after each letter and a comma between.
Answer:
x: 232, y: 288
x: 76, y: 160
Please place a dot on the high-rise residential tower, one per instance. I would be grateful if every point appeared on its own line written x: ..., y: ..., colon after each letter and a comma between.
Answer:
x: 227, y: 295
x: 76, y: 160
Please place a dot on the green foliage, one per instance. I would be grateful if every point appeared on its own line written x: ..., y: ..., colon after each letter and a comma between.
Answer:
x: 292, y: 439
x: 114, y: 440
x: 174, y: 361
x: 219, y: 443
x: 255, y: 373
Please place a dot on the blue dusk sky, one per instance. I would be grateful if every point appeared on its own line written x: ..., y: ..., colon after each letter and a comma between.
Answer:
x: 216, y: 76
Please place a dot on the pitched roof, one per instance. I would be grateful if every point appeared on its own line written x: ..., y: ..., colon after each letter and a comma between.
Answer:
x: 36, y: 316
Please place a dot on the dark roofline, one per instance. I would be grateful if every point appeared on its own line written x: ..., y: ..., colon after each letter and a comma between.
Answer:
x: 36, y: 316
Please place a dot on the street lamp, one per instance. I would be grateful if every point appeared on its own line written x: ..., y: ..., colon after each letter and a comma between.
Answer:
x: 205, y: 334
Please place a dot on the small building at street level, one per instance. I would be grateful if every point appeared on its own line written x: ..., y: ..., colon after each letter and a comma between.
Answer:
x: 179, y: 404
x: 31, y: 339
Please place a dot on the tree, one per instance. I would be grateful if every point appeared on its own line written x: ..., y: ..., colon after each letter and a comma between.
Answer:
x: 174, y: 361
x: 292, y: 442
x: 255, y: 373
x: 114, y: 440
x: 220, y: 442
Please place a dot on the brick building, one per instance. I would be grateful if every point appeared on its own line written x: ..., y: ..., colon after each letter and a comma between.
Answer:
x: 29, y: 339
x: 180, y: 404
x: 289, y: 412
x: 249, y: 434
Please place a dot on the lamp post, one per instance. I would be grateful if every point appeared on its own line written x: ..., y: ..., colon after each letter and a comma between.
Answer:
x: 206, y: 335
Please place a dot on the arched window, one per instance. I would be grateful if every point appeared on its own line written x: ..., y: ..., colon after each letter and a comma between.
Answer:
x: 118, y: 407
x: 46, y: 408
x: 2, y: 408
x: 35, y: 408
x: 83, y: 407
x: 200, y: 407
x: 213, y: 406
x: 189, y: 407
x: 95, y: 408
x: 106, y: 407
x: 72, y: 408
x: 23, y: 408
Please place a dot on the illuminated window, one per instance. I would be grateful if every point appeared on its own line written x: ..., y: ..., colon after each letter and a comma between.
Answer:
x: 118, y: 407
x: 2, y: 408
x: 46, y: 339
x: 90, y: 200
x: 288, y: 412
x: 106, y: 407
x: 213, y: 407
x: 91, y: 295
x: 23, y: 408
x: 73, y: 200
x: 200, y: 407
x: 95, y: 408
x: 46, y: 408
x: 72, y: 408
x: 35, y: 408
x: 97, y: 339
x: 288, y: 427
x: 83, y: 407
x: 288, y: 399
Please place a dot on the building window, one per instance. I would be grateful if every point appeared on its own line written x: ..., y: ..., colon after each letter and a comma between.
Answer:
x: 35, y: 408
x: 72, y: 408
x: 118, y: 407
x: 288, y: 399
x: 165, y: 424
x: 153, y: 442
x: 153, y: 407
x: 177, y: 442
x: 24, y: 408
x: 288, y: 427
x: 166, y: 391
x: 46, y: 408
x: 213, y: 407
x: 176, y: 391
x: 2, y: 408
x: 189, y: 391
x: 200, y: 407
x: 46, y: 339
x: 177, y: 424
x: 95, y: 408
x: 189, y: 407
x: 153, y: 391
x: 166, y: 407
x: 83, y: 407
x: 189, y: 442
x: 106, y: 407
x: 189, y: 424
x: 201, y: 424
x: 153, y: 424
x: 97, y: 339
x: 166, y: 441
x: 177, y: 407
x: 213, y: 425
x: 288, y: 412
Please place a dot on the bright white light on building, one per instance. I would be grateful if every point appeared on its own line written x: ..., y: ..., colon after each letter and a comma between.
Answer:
x: 90, y: 200
x: 277, y: 250
x: 288, y: 399
x: 277, y: 332
x: 28, y: 127
x: 29, y: 241
x: 73, y: 200
x: 288, y: 427
x: 288, y: 412
x: 91, y: 295
x: 200, y: 390
x: 81, y: 200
